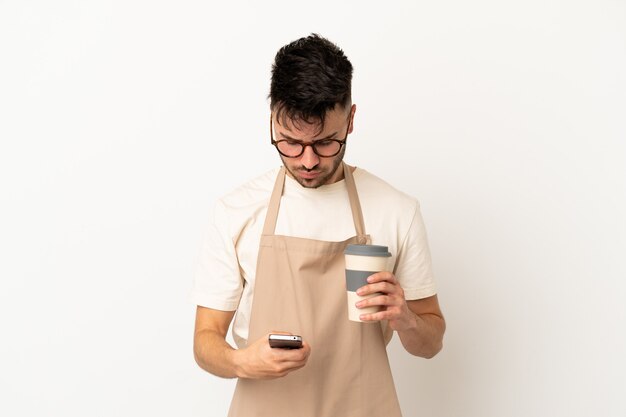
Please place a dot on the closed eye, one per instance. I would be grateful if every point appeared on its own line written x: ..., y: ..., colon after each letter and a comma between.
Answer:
x: 325, y: 142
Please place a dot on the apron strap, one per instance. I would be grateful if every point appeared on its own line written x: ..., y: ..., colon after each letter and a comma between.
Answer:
x: 355, y: 205
x: 272, y: 210
x: 269, y: 226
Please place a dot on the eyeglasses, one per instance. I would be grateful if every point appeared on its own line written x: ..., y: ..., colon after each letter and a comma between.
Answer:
x: 324, y: 148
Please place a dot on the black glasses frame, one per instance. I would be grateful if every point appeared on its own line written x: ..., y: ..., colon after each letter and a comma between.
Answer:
x: 304, y: 145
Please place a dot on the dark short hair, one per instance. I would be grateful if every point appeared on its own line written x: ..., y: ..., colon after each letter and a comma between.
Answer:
x: 310, y: 76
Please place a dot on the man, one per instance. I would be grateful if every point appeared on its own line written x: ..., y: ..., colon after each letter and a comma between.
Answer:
x: 274, y: 255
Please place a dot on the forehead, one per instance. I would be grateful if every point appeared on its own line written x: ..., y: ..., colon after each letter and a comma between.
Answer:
x: 297, y: 128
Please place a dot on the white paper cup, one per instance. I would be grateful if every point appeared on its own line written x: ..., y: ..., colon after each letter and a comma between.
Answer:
x: 361, y: 262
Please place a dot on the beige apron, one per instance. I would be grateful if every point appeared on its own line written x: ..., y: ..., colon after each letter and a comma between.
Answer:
x: 300, y: 288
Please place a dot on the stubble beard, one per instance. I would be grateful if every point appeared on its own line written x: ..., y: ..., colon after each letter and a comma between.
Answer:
x: 319, y: 181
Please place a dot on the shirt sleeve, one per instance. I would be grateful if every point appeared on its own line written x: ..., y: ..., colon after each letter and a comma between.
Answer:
x: 217, y: 281
x: 413, y: 267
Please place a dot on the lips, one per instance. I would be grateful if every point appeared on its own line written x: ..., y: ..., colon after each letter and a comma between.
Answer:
x: 309, y: 175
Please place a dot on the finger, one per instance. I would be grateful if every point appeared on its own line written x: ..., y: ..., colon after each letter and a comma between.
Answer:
x: 290, y: 355
x: 306, y: 349
x: 283, y: 369
x: 383, y: 287
x: 300, y: 361
x: 382, y: 276
x: 292, y: 367
x: 379, y: 300
x: 295, y: 363
x: 381, y: 315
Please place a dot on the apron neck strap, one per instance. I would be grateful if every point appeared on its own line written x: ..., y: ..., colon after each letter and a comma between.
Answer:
x: 272, y: 210
x: 357, y: 215
x: 355, y: 205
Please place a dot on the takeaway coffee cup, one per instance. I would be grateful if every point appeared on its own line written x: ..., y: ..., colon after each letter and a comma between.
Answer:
x: 361, y: 262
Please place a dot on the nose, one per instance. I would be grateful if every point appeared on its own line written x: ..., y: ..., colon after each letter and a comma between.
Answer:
x: 309, y: 158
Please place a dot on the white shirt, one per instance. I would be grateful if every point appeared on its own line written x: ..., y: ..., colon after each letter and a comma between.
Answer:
x: 226, y: 268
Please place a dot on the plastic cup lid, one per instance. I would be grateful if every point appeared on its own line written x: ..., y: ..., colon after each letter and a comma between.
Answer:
x: 367, y: 250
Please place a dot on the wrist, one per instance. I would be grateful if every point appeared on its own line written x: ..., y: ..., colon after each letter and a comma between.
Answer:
x: 236, y: 358
x: 410, y: 321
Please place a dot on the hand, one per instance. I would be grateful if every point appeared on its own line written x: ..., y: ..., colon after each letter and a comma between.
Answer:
x: 393, y: 305
x: 260, y: 361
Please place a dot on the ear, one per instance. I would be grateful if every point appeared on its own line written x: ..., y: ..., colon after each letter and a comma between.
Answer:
x: 352, y: 111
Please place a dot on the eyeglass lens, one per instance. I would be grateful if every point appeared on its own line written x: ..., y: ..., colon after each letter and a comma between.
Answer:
x: 321, y: 148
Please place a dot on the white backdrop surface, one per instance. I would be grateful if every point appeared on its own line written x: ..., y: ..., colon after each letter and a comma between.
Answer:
x: 122, y: 121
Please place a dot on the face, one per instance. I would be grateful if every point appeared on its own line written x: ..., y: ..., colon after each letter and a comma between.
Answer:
x: 309, y: 169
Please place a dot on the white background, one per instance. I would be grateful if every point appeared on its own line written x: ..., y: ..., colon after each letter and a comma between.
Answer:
x: 122, y: 121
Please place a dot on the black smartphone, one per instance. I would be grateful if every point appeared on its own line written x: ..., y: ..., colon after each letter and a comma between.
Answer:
x: 285, y: 341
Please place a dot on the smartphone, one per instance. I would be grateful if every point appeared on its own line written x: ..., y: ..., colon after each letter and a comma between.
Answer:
x: 285, y: 341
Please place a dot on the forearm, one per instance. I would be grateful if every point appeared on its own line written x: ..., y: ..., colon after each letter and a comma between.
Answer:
x: 214, y: 354
x: 424, y: 336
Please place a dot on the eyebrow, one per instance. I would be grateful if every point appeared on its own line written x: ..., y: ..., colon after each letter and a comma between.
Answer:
x: 286, y: 137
